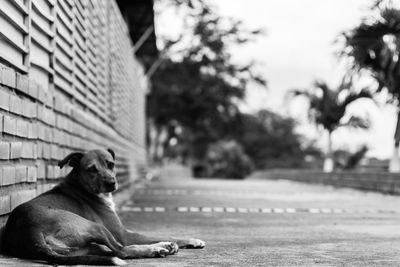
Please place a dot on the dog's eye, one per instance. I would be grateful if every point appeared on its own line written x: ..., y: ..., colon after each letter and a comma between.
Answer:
x: 92, y: 169
x: 110, y: 165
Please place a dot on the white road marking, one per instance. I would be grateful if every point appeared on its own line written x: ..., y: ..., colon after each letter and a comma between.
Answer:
x: 278, y: 210
x: 160, y: 209
x: 194, y: 209
x: 290, y: 210
x: 206, y: 209
x: 314, y: 210
x: 127, y: 208
x: 266, y: 210
x: 230, y: 210
x: 148, y: 209
x: 243, y: 210
x: 218, y: 209
x: 183, y: 209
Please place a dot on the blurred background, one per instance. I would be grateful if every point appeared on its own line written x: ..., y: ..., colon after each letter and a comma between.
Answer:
x: 275, y: 84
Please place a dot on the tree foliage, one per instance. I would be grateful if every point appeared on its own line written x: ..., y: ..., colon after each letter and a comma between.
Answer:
x: 197, y: 86
x: 327, y: 106
x: 374, y: 46
x: 270, y: 140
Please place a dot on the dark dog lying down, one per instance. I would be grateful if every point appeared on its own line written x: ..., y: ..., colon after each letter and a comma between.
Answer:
x: 76, y: 223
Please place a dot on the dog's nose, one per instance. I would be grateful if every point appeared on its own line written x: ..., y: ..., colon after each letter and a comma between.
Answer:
x: 111, y: 183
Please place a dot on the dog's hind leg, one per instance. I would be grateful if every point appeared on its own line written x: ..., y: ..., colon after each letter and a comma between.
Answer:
x: 51, y: 253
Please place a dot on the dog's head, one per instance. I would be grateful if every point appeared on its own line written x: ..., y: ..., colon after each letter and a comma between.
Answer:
x: 95, y: 169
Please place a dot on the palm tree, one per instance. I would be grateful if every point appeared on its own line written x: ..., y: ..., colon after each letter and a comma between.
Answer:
x: 374, y: 47
x: 327, y: 108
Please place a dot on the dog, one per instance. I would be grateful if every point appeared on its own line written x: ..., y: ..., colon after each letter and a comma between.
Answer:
x: 76, y: 222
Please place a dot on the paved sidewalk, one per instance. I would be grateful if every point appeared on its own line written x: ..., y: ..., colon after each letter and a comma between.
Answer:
x: 265, y: 223
x: 268, y: 223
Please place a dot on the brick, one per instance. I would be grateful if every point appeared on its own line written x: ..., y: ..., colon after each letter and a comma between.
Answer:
x: 22, y: 83
x: 22, y: 128
x: 20, y: 174
x: 40, y: 112
x: 41, y: 94
x: 54, y: 152
x: 5, y: 204
x: 15, y: 104
x: 33, y: 90
x: 32, y: 131
x: 8, y: 175
x: 41, y: 131
x: 4, y: 150
x: 50, y: 172
x: 9, y: 125
x: 25, y: 110
x: 49, y: 117
x: 33, y: 110
x: 9, y: 77
x: 59, y: 103
x: 49, y: 99
x: 41, y: 171
x: 27, y: 151
x: 4, y: 100
x: 46, y: 151
x: 56, y: 136
x: 48, y: 134
x: 35, y: 151
x: 16, y: 150
x: 39, y: 150
x: 20, y: 197
x: 32, y: 174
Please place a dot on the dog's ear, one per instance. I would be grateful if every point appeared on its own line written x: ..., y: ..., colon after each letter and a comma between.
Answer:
x: 72, y: 159
x: 111, y: 152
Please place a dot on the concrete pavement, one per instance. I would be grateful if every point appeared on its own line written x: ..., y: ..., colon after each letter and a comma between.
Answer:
x: 259, y: 222
x: 268, y: 223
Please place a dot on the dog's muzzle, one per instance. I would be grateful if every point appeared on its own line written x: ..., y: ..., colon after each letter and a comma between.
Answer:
x: 110, y: 186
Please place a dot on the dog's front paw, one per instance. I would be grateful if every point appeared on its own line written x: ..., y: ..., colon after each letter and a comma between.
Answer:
x: 157, y: 252
x: 172, y: 247
x: 193, y: 243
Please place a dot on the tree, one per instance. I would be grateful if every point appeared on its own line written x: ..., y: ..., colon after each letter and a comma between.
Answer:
x: 374, y: 47
x: 327, y: 108
x: 226, y: 159
x: 197, y: 87
x: 270, y: 140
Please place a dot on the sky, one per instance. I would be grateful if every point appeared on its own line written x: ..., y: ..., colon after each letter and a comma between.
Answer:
x: 297, y: 48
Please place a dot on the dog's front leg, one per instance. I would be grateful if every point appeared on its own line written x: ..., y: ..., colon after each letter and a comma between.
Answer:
x: 132, y: 239
x: 139, y: 239
x: 160, y: 249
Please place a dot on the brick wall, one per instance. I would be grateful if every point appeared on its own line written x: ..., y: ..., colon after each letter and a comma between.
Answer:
x: 384, y: 182
x: 68, y: 81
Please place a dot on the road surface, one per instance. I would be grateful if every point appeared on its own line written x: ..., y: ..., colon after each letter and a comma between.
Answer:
x: 259, y: 222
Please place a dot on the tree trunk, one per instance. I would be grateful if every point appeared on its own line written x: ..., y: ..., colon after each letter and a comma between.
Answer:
x: 153, y: 137
x: 328, y: 163
x: 395, y: 161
